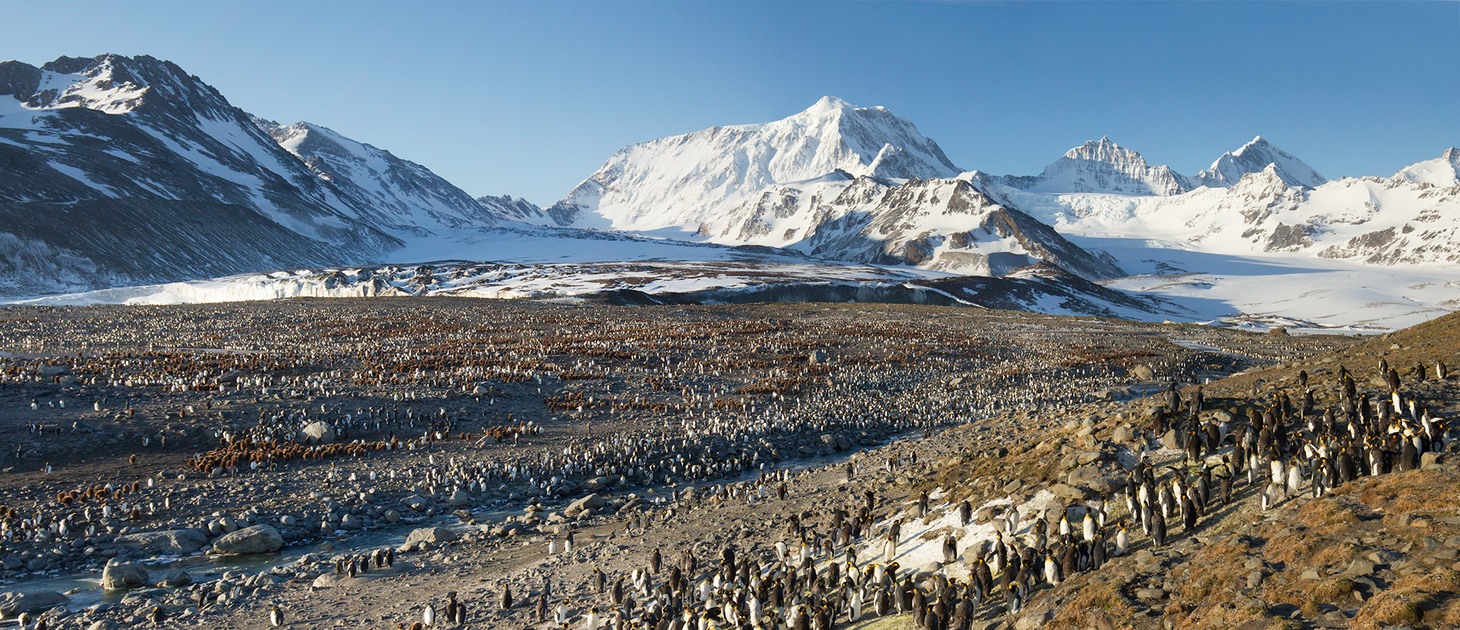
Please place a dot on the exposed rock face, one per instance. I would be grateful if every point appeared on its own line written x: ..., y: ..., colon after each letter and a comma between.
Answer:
x: 397, y: 195
x: 876, y: 222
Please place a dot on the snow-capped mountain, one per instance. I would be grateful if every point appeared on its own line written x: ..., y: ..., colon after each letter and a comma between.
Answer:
x: 1102, y: 166
x: 1390, y: 221
x: 516, y: 209
x: 687, y: 181
x: 398, y: 196
x: 835, y: 181
x: 943, y: 224
x: 123, y: 169
x: 1254, y: 157
x: 1443, y: 171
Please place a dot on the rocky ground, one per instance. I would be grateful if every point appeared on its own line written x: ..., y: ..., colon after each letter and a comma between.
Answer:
x: 992, y: 407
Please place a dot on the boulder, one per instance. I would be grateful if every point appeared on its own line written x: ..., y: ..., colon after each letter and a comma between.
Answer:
x: 1171, y: 439
x: 172, y: 542
x: 13, y: 603
x: 1068, y: 492
x: 416, y: 503
x: 599, y: 483
x: 1084, y: 475
x: 1142, y: 372
x: 120, y: 575
x: 433, y: 535
x: 319, y: 432
x: 459, y: 498
x: 171, y: 578
x: 1122, y: 434
x: 1430, y: 460
x: 256, y: 539
x: 586, y: 504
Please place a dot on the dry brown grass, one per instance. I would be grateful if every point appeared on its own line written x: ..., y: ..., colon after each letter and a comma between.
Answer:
x: 1422, y: 598
x: 1427, y: 491
x: 1206, y: 597
x: 1327, y: 516
x: 1094, y: 605
x: 1290, y: 546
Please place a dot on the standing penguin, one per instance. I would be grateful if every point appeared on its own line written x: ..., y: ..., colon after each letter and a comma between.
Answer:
x: 276, y: 616
x: 506, y: 602
x: 455, y: 610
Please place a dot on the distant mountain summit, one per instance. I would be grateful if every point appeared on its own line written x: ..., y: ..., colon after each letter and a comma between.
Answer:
x: 687, y: 180
x: 1254, y: 157
x: 1102, y: 166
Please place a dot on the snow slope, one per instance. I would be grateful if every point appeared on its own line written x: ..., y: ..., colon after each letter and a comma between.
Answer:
x: 1443, y: 172
x: 399, y: 196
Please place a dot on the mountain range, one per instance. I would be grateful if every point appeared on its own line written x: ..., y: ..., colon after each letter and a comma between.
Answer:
x: 126, y: 170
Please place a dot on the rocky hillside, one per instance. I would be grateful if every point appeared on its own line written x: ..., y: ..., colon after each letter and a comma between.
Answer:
x: 1374, y: 552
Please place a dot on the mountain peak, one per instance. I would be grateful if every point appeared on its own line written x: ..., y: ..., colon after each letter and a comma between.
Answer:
x: 1104, y: 150
x: 689, y: 180
x: 828, y: 104
x: 1255, y: 156
x: 1441, y: 171
x: 1102, y: 166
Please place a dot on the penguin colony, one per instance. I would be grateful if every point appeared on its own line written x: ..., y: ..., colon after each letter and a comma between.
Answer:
x: 835, y: 569
x: 697, y: 401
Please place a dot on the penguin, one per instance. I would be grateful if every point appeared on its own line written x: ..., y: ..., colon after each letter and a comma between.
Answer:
x: 157, y: 616
x: 506, y: 601
x: 276, y: 616
x: 1051, y: 570
x: 455, y: 610
x: 428, y: 616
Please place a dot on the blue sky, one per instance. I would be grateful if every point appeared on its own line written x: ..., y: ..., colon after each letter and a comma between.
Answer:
x: 528, y: 98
